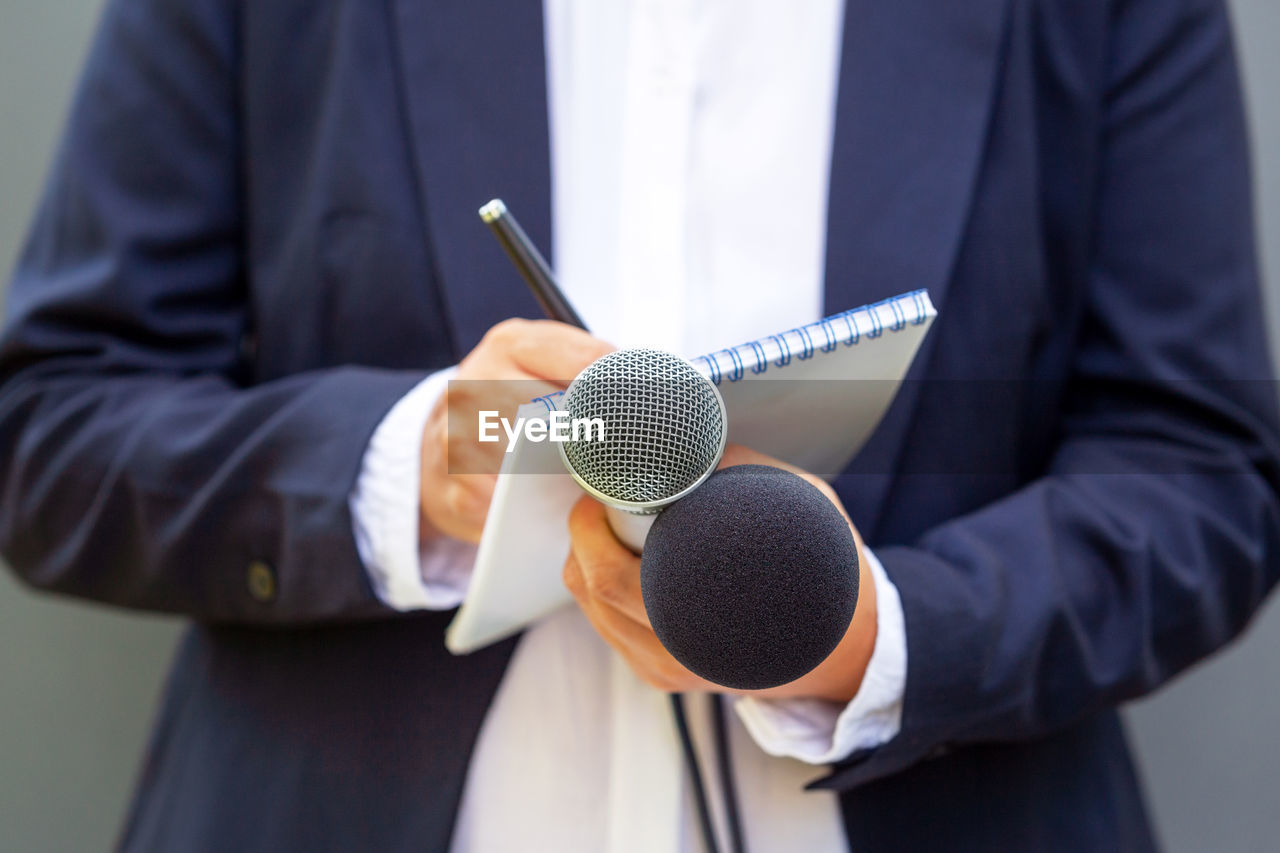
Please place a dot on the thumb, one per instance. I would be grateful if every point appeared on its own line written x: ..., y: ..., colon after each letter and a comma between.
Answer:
x: 555, y: 351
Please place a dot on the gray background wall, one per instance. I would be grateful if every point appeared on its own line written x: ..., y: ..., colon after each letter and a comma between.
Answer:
x: 77, y: 683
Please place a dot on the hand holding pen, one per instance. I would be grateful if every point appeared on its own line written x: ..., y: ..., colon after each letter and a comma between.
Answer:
x: 516, y: 361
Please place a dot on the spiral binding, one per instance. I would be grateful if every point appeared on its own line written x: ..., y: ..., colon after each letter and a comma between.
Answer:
x: 551, y: 401
x: 911, y: 308
x: 847, y: 327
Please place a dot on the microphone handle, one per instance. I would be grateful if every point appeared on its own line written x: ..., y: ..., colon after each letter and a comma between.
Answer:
x: 631, y: 528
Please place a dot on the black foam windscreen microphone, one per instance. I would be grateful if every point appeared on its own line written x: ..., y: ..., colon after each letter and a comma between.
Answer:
x: 751, y: 580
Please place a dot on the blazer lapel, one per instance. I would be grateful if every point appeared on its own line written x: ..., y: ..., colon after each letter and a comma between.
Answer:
x: 474, y: 77
x: 917, y: 85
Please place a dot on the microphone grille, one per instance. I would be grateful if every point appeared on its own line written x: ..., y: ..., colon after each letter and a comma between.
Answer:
x: 664, y: 426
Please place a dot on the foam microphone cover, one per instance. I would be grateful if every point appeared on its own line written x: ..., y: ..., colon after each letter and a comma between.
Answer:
x: 751, y: 580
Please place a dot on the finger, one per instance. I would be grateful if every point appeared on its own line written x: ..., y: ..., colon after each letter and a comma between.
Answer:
x: 459, y: 506
x: 611, y: 572
x: 646, y: 655
x: 455, y: 503
x: 622, y: 633
x: 556, y: 352
x: 574, y: 581
x: 637, y: 645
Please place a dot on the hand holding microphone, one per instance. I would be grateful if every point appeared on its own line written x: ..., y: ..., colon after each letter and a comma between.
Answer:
x: 605, y: 580
x: 749, y: 577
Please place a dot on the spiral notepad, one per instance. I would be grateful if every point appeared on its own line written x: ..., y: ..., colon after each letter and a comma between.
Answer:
x: 841, y: 374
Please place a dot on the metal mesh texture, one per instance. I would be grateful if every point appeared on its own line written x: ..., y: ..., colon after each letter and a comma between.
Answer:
x: 663, y: 425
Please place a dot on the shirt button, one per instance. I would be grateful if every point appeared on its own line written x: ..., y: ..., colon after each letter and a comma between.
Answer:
x: 262, y: 581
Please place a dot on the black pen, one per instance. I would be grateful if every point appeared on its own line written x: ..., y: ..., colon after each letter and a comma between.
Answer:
x: 533, y: 268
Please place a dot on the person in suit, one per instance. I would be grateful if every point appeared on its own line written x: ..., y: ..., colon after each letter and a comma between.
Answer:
x: 257, y: 261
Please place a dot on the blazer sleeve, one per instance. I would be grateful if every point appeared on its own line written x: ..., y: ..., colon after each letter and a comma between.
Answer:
x: 1155, y: 533
x: 136, y: 465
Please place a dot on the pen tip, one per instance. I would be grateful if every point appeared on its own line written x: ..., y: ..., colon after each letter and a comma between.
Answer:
x: 493, y: 210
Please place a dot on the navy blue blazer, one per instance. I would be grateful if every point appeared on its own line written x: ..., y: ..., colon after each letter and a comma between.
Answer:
x: 260, y: 232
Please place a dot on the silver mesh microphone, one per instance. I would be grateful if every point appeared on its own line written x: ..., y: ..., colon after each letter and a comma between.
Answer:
x: 664, y: 433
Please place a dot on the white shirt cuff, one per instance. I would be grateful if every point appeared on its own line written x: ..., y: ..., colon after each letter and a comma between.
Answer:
x: 408, y: 571
x: 821, y: 732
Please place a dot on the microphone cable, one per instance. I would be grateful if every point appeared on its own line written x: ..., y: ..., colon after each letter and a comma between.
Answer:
x: 720, y: 721
x: 724, y: 764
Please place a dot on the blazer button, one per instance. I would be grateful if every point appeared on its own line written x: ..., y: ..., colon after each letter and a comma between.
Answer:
x: 262, y: 581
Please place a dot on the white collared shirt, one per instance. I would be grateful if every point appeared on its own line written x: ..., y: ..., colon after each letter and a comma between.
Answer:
x: 691, y: 144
